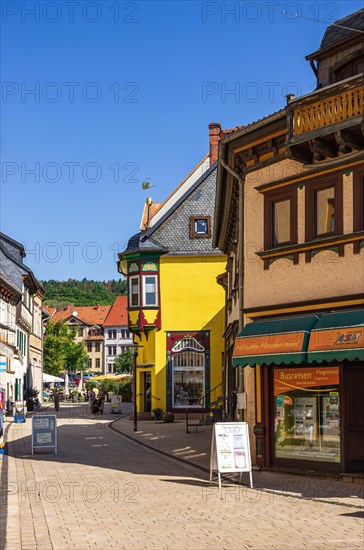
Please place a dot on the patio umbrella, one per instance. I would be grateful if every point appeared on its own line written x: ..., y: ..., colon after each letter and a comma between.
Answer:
x: 47, y: 378
x: 66, y: 384
x: 122, y: 377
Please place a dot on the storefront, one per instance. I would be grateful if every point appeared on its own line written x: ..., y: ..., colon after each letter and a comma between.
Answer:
x: 188, y: 375
x: 309, y: 374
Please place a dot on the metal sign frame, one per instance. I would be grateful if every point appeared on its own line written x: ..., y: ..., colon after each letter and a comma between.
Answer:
x: 45, y: 430
x: 230, y: 450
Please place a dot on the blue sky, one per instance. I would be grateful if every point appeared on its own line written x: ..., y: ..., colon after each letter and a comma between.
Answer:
x: 99, y: 96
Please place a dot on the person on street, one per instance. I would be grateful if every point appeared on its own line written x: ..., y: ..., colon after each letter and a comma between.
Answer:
x: 101, y: 397
x: 56, y: 397
x: 91, y: 398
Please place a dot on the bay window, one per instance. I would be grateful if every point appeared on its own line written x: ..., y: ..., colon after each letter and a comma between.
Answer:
x: 134, y: 291
x: 150, y: 293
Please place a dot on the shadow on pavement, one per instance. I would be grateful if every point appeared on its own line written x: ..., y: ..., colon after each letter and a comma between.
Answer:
x: 87, y: 440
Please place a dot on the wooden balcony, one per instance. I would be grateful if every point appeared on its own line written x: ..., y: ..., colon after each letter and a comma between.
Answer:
x: 328, y: 123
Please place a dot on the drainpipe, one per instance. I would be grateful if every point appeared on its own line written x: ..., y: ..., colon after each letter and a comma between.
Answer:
x: 241, y: 179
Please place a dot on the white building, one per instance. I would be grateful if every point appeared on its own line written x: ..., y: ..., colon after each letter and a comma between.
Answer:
x: 117, y: 337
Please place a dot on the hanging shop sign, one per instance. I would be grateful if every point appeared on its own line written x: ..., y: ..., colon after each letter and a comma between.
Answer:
x: 230, y: 449
x: 44, y: 432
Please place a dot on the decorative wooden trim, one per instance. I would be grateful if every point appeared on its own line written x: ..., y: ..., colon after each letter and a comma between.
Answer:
x: 332, y: 242
x: 358, y: 199
x: 332, y: 302
x: 304, y: 177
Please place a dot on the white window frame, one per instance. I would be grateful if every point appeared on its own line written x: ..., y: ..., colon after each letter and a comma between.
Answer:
x: 155, y: 277
x: 131, y: 279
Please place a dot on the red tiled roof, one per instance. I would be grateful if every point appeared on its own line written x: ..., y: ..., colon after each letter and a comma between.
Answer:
x: 91, y: 315
x: 118, y: 315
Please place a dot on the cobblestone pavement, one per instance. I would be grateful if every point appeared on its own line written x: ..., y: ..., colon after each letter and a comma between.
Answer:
x: 104, y: 490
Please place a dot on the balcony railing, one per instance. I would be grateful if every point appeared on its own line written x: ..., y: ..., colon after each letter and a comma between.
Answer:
x: 319, y: 114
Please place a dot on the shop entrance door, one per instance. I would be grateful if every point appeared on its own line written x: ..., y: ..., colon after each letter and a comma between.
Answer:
x: 355, y: 417
x: 147, y: 393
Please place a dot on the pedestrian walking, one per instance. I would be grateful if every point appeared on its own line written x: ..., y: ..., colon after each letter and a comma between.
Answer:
x: 91, y: 398
x: 56, y: 397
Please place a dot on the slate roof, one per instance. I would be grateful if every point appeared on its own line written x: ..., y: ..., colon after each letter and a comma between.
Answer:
x: 141, y: 242
x: 12, y: 266
x: 335, y: 33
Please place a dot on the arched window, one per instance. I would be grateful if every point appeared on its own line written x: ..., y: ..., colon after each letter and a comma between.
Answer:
x: 188, y: 365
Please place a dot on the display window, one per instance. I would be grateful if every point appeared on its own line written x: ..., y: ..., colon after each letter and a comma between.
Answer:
x: 307, y: 414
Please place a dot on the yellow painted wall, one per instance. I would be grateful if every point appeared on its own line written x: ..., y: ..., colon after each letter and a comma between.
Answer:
x: 191, y: 300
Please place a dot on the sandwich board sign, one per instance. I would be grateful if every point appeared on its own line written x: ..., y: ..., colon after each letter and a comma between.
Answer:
x: 230, y: 450
x: 44, y: 432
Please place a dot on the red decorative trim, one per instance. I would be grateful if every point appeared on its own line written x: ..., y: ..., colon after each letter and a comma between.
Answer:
x: 142, y: 322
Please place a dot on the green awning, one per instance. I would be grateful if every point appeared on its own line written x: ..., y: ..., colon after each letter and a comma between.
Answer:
x: 337, y: 337
x: 278, y: 341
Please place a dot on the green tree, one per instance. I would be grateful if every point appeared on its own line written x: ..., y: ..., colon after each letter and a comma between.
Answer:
x: 124, y: 362
x: 61, y: 351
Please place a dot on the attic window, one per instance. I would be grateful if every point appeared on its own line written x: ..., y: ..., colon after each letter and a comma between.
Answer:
x: 200, y: 227
x: 354, y: 67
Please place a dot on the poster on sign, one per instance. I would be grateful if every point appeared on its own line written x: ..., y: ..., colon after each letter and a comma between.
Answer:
x: 44, y: 432
x: 230, y: 450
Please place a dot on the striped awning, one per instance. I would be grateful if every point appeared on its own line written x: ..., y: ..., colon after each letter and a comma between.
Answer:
x: 277, y: 341
x: 337, y: 336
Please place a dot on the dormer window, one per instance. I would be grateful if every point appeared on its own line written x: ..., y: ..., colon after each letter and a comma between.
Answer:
x: 200, y: 227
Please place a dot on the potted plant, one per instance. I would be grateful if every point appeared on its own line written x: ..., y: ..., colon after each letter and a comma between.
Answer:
x: 168, y: 417
x: 158, y: 413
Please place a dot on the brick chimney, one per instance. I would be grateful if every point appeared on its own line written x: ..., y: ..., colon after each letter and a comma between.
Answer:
x: 214, y: 134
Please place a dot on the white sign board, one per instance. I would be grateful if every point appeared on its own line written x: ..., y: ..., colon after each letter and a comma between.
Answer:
x: 116, y: 403
x: 230, y: 449
x: 44, y: 431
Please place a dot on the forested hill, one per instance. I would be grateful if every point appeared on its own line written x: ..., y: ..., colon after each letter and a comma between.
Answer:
x: 82, y: 293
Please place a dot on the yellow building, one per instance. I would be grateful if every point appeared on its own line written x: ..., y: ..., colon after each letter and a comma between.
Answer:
x: 175, y: 307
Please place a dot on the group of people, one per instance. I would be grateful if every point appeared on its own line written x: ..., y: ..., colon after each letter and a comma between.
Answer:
x: 96, y: 398
x: 96, y: 401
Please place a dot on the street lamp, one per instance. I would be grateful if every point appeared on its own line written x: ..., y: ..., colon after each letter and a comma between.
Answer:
x: 135, y: 412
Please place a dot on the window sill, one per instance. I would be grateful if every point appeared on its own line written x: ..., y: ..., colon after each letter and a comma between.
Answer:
x: 334, y: 242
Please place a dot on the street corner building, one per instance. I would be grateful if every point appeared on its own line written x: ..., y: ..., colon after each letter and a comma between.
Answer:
x: 176, y: 307
x: 21, y: 328
x: 289, y: 215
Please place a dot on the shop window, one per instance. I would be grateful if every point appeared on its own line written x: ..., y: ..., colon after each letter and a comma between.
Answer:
x: 358, y: 199
x: 280, y: 219
x: 200, y: 227
x: 307, y: 414
x: 150, y: 294
x: 324, y: 208
x: 188, y: 373
x: 134, y: 291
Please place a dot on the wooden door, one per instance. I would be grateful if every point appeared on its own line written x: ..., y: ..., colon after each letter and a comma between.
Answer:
x: 354, y: 424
